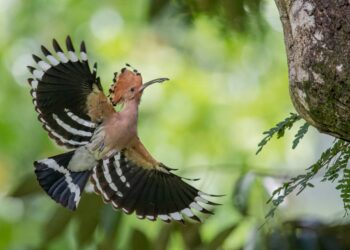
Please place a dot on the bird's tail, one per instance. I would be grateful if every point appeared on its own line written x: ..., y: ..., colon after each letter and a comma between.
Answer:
x: 149, y: 192
x: 61, y: 184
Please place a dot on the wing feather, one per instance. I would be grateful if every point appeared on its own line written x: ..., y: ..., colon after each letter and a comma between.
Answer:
x: 150, y: 192
x: 62, y: 87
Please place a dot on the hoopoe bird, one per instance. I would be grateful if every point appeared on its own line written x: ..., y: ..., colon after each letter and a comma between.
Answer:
x: 106, y: 148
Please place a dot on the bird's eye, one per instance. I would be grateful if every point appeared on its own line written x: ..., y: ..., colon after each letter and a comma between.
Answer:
x: 132, y: 89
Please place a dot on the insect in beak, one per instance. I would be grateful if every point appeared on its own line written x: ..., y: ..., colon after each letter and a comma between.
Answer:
x: 158, y: 80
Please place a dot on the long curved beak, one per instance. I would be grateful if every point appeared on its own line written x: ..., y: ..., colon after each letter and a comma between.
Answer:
x: 158, y: 80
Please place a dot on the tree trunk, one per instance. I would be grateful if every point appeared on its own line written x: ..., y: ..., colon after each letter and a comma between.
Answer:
x: 317, y: 40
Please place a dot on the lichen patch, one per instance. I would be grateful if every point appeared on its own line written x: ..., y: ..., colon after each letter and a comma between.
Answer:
x: 318, y: 35
x: 302, y: 98
x: 317, y: 77
x: 298, y: 74
x: 339, y: 68
x: 301, y: 15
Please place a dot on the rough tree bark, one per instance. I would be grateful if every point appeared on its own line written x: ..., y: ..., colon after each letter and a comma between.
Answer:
x: 317, y: 40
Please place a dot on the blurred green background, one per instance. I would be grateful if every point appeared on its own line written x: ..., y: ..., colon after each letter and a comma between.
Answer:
x: 229, y: 83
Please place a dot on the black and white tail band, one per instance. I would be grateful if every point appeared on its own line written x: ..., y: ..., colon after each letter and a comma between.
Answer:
x: 61, y: 184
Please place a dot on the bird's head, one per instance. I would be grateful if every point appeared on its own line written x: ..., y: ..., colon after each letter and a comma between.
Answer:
x: 128, y: 86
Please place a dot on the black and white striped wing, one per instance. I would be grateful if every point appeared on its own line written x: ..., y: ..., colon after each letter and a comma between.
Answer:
x: 60, y: 87
x: 150, y: 193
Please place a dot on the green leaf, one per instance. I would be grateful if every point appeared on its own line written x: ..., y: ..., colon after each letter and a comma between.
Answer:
x: 310, y: 185
x: 88, y: 215
x: 139, y: 240
x: 278, y: 130
x: 190, y: 235
x: 242, y: 192
x: 28, y: 186
x: 55, y: 226
x: 110, y: 224
x: 300, y: 134
x: 335, y: 159
x: 162, y: 240
x: 220, y: 238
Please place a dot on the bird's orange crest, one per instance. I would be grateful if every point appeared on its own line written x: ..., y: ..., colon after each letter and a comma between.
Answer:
x: 122, y: 82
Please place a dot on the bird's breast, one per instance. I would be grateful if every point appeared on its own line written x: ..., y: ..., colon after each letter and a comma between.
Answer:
x: 119, y: 132
x: 112, y: 136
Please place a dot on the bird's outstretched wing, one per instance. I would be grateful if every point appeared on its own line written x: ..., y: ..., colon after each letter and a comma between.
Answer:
x: 67, y: 95
x: 129, y: 182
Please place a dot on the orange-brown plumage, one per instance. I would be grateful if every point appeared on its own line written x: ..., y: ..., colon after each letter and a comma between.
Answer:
x: 124, y: 81
x: 73, y: 109
x: 98, y: 106
x: 137, y: 153
x: 118, y: 129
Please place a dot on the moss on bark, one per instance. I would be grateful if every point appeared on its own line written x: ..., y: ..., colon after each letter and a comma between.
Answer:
x: 317, y: 39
